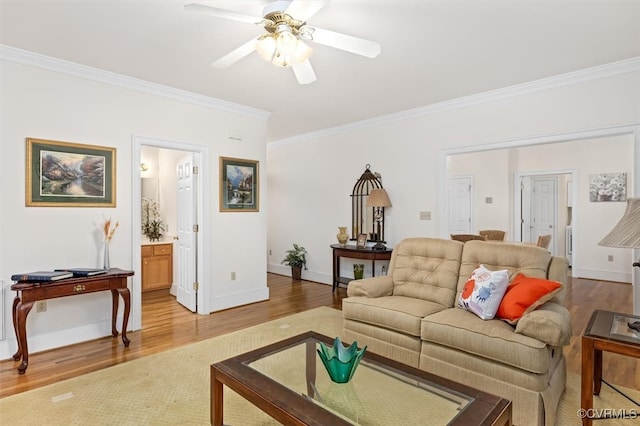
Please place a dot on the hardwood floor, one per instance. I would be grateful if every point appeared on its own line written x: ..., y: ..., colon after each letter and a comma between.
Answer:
x: 167, y: 325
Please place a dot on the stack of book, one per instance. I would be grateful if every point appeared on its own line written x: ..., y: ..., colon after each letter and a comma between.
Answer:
x: 58, y: 274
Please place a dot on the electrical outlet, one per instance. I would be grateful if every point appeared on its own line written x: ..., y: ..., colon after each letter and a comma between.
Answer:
x: 41, y: 306
x: 425, y: 215
x: 488, y: 200
x: 233, y: 276
x: 610, y: 258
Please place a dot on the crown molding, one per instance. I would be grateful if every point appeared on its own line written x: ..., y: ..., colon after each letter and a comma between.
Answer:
x: 567, y: 79
x: 37, y: 60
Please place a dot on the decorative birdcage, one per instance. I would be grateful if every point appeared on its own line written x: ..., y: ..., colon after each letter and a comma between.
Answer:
x: 363, y: 218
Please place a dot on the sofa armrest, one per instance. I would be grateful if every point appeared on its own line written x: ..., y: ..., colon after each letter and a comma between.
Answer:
x: 371, y: 287
x: 550, y: 323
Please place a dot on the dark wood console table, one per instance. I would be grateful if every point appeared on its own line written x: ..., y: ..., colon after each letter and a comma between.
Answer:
x: 366, y: 253
x: 29, y: 292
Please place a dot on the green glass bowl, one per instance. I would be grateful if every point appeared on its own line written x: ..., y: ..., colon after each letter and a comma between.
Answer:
x: 340, y: 361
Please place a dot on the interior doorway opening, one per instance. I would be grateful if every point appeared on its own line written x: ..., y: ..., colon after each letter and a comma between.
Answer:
x: 180, y: 170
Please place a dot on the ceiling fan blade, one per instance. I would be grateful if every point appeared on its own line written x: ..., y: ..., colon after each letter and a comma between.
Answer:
x: 304, y: 72
x: 222, y: 13
x: 235, y: 55
x: 303, y: 10
x: 356, y: 45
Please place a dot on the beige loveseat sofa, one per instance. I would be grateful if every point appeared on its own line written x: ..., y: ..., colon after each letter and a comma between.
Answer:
x: 411, y: 315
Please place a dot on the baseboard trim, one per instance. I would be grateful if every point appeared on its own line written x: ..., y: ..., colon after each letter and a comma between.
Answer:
x: 595, y: 274
x: 56, y: 339
x: 308, y: 275
x: 239, y: 299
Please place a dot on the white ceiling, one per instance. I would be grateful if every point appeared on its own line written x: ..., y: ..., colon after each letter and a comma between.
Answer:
x: 432, y: 50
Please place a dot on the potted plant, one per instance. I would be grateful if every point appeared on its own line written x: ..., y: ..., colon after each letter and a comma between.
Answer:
x: 296, y: 259
x: 152, y: 224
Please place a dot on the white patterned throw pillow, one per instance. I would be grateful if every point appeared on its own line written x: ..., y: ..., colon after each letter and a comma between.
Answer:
x: 484, y: 291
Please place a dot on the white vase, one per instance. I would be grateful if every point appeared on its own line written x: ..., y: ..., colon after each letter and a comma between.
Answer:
x: 106, y: 264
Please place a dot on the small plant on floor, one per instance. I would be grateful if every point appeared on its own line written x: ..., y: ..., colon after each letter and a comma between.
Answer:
x: 296, y: 258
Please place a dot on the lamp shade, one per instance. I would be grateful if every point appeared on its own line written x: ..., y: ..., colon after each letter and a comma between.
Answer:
x: 626, y: 233
x: 378, y: 198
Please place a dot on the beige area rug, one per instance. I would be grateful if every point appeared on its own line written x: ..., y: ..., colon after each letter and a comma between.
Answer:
x: 172, y: 388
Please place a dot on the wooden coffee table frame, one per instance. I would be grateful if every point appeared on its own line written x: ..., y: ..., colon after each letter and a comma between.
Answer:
x: 291, y: 408
x: 597, y: 338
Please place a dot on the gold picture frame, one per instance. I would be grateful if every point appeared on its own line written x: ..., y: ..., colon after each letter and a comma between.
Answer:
x: 66, y: 174
x: 361, y: 242
x: 239, y: 188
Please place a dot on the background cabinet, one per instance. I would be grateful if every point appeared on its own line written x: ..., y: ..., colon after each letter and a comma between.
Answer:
x: 157, y: 266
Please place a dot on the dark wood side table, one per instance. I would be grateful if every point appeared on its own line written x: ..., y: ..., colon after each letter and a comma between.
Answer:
x: 356, y: 253
x: 28, y: 292
x: 606, y: 331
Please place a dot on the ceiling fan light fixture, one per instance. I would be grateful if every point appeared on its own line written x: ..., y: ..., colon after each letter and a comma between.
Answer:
x: 266, y: 47
x: 302, y: 52
x: 286, y: 41
x: 282, y: 48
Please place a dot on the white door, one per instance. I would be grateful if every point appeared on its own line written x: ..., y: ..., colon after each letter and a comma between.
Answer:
x: 187, y: 294
x: 460, y: 195
x: 544, y: 209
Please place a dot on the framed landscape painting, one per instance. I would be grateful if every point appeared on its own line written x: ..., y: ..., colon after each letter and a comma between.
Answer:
x: 238, y: 185
x: 65, y: 174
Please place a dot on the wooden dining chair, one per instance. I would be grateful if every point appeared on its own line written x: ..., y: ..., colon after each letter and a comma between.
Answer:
x: 467, y: 237
x: 493, y: 234
x: 544, y: 240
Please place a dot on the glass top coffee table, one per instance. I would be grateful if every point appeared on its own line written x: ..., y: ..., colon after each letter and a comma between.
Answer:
x: 288, y: 381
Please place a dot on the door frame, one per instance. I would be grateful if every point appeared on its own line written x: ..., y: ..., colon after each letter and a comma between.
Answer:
x: 203, y: 244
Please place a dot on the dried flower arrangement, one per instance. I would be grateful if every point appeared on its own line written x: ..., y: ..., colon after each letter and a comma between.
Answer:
x: 109, y: 230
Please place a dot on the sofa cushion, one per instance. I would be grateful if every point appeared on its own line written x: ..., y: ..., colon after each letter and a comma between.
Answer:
x: 427, y: 269
x: 493, y: 339
x: 523, y: 295
x: 529, y: 260
x: 397, y: 313
x: 483, y: 292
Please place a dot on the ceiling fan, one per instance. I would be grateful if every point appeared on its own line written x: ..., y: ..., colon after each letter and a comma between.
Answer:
x: 283, y: 44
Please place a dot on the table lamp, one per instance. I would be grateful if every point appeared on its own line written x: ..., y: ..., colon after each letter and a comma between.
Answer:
x: 378, y: 199
x: 626, y: 233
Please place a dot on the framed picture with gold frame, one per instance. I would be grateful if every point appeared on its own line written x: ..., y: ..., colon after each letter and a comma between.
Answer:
x: 66, y: 174
x: 361, y: 242
x: 239, y: 190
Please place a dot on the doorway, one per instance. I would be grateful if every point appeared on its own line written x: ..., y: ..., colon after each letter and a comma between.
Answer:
x: 190, y: 251
x: 542, y: 207
x: 460, y: 205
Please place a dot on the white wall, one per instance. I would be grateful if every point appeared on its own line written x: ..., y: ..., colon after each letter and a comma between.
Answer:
x: 52, y: 105
x: 310, y: 177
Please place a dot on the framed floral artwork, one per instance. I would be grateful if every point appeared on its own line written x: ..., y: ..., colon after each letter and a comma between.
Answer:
x: 239, y: 191
x: 65, y: 174
x: 608, y: 187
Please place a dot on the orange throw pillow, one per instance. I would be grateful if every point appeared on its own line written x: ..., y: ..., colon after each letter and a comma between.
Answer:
x: 524, y: 294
